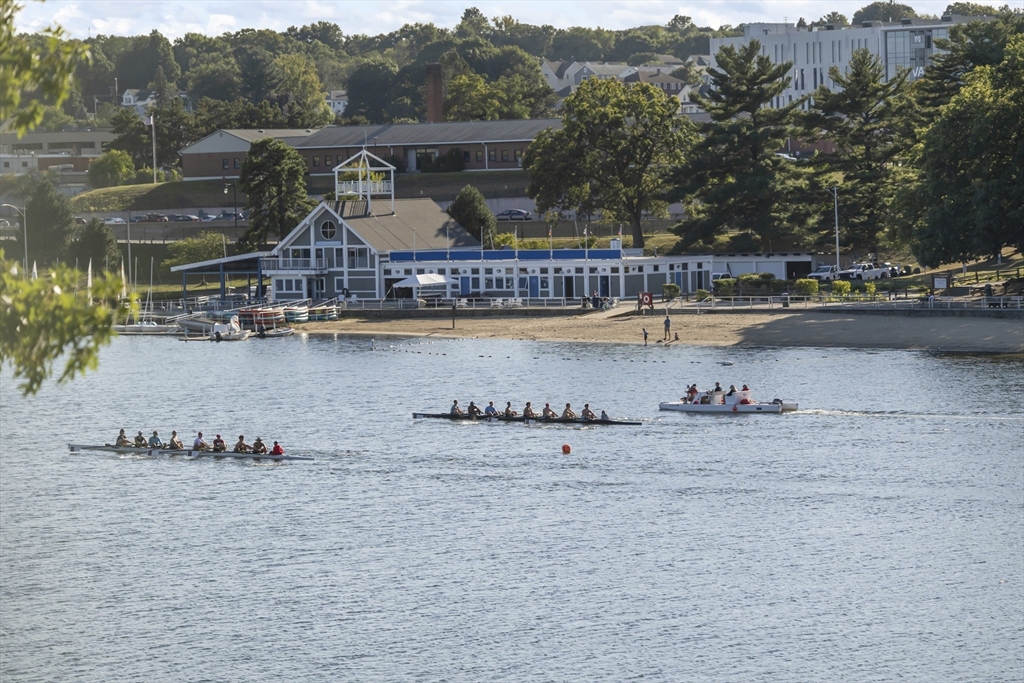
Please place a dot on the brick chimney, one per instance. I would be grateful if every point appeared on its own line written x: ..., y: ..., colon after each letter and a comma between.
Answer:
x: 435, y: 96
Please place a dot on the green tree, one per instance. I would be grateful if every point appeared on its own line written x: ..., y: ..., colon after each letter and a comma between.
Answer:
x: 867, y: 118
x: 473, y: 25
x: 137, y: 66
x: 325, y: 32
x: 205, y: 246
x: 300, y: 86
x: 834, y: 18
x: 30, y: 77
x: 581, y: 44
x: 95, y: 241
x: 883, y: 10
x: 470, y: 211
x: 978, y: 43
x: 51, y: 223
x: 218, y: 78
x: 132, y: 137
x: 972, y: 165
x: 111, y: 169
x: 369, y: 89
x: 971, y: 9
x: 42, y: 320
x: 273, y: 179
x: 734, y: 180
x: 616, y: 143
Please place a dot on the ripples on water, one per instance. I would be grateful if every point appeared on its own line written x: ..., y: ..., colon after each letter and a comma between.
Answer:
x: 876, y: 535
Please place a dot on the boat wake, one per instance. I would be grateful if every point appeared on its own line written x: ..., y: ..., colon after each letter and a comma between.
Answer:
x: 905, y: 414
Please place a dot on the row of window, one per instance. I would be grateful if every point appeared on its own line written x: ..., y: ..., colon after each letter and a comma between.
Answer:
x: 492, y: 155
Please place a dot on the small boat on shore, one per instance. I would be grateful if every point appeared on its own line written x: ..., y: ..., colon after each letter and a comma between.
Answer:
x: 273, y: 333
x: 519, y: 418
x: 149, y: 329
x: 131, y: 450
x: 231, y: 331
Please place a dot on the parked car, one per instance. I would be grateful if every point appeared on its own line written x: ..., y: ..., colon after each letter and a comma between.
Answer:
x: 823, y: 273
x: 114, y: 221
x: 894, y: 269
x: 154, y: 218
x: 78, y: 221
x: 184, y: 218
x: 514, y: 215
x: 227, y: 216
x: 864, y: 271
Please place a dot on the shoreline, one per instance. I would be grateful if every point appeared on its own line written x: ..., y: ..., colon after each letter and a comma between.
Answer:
x: 754, y: 329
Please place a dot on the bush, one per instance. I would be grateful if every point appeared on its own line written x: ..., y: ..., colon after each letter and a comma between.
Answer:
x: 806, y: 286
x: 841, y: 287
x: 669, y: 290
x: 725, y: 286
x: 702, y: 294
x: 534, y: 244
x: 504, y: 239
x: 870, y: 288
x: 111, y: 169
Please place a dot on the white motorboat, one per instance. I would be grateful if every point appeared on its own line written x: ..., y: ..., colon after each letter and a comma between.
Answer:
x: 719, y: 402
x: 231, y: 331
x: 148, y: 328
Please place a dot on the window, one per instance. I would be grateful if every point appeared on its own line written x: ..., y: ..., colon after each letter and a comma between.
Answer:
x: 316, y: 161
x: 479, y: 155
x: 475, y: 271
x: 508, y: 283
x: 488, y: 271
x: 519, y: 154
x: 358, y: 257
x: 224, y: 163
x: 545, y: 283
x: 339, y: 284
x: 489, y: 283
x: 492, y: 155
x: 655, y: 268
x: 327, y: 160
x: 299, y: 253
x: 615, y: 269
x: 465, y: 156
x: 593, y: 270
x: 328, y: 230
x: 7, y: 164
x: 504, y: 155
x: 237, y: 163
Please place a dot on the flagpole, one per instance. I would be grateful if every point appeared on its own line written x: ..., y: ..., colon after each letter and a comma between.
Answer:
x: 152, y: 123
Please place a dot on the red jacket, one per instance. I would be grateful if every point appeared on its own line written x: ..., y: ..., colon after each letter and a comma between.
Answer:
x: 277, y: 450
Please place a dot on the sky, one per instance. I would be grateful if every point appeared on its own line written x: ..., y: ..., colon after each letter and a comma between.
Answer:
x: 174, y: 18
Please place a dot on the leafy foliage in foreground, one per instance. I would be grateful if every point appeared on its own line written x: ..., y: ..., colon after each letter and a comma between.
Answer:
x: 45, y: 318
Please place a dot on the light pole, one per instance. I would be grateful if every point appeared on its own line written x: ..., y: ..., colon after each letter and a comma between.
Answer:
x: 835, y: 195
x: 234, y: 199
x: 24, y: 226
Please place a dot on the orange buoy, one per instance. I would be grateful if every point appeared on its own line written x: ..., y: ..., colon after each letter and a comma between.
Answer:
x: 566, y: 449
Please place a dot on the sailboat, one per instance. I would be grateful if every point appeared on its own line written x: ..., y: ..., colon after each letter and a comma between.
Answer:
x: 146, y: 325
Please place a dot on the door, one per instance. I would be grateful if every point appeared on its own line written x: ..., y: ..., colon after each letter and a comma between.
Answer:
x: 570, y: 287
x: 534, y: 287
x: 464, y: 289
x: 602, y: 285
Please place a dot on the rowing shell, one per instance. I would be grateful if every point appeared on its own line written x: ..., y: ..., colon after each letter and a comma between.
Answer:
x: 107, y: 448
x: 520, y: 418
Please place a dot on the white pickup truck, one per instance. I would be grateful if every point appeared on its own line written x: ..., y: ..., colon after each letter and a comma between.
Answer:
x: 823, y: 273
x: 864, y: 271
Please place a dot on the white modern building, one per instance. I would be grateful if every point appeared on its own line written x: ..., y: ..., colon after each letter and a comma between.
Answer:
x: 907, y: 44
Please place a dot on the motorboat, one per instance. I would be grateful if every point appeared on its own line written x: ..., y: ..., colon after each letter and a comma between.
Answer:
x: 147, y: 327
x: 720, y: 402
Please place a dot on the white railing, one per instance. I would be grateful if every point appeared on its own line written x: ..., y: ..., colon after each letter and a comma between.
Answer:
x: 876, y: 302
x: 361, y: 187
x: 318, y: 264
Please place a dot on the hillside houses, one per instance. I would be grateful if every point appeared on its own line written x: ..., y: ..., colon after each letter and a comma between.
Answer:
x: 565, y: 77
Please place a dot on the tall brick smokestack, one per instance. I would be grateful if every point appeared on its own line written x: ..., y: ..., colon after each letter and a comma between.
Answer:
x: 435, y: 96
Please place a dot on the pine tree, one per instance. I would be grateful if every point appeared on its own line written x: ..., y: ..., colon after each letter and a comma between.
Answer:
x: 734, y: 179
x: 868, y: 120
x: 274, y: 180
x: 470, y: 211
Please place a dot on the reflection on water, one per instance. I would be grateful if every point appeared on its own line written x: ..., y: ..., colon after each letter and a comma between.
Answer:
x: 875, y: 535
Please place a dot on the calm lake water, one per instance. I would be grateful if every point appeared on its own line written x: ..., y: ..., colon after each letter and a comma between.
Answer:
x: 876, y: 535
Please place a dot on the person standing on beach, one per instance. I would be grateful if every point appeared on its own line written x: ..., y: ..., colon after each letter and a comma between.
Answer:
x: 645, y: 336
x: 668, y: 328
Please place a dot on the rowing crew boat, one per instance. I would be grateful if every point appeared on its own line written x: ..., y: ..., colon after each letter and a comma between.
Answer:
x: 131, y: 450
x: 520, y: 418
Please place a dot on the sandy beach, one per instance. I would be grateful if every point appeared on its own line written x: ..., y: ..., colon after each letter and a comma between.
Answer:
x: 799, y: 328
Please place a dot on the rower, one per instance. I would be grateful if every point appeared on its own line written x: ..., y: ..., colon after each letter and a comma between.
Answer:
x: 258, y: 446
x: 140, y: 440
x: 122, y: 439
x: 473, y: 410
x: 154, y: 441
x: 455, y: 409
x: 277, y: 450
x: 568, y: 413
x: 604, y: 416
x: 587, y: 413
x: 218, y: 445
x: 691, y: 393
x: 547, y: 412
x: 527, y: 411
x: 175, y: 443
x: 241, y: 446
x: 199, y: 444
x: 511, y: 413
x: 490, y: 410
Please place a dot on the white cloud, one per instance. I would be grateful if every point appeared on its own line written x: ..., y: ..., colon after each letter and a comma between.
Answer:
x: 66, y: 13
x: 220, y: 23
